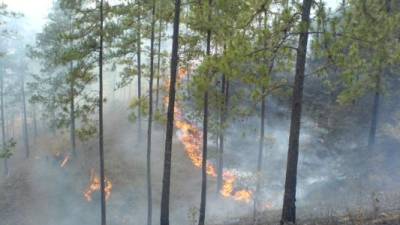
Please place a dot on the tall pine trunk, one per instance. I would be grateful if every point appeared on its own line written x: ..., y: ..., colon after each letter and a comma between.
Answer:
x: 139, y: 68
x: 262, y: 129
x: 3, y: 125
x: 260, y: 154
x: 375, y: 106
x: 224, y: 112
x: 203, y: 199
x: 375, y: 114
x: 158, y: 64
x: 25, y: 126
x: 150, y: 120
x: 72, y: 99
x: 72, y: 116
x: 164, y: 217
x: 53, y: 115
x: 34, y: 115
x: 101, y: 141
x: 289, y: 199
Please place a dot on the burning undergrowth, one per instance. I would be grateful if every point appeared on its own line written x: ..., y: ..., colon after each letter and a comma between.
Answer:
x: 61, y: 184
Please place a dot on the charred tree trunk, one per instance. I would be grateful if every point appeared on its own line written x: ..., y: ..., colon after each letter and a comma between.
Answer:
x: 289, y: 199
x: 203, y: 199
x: 150, y: 120
x: 3, y: 125
x: 158, y: 64
x: 101, y: 141
x: 164, y: 217
x: 25, y: 126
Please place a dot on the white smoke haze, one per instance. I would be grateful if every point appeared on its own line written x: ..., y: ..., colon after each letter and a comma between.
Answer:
x: 48, y: 194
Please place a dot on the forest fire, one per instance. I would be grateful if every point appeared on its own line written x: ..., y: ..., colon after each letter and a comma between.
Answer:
x: 191, y: 138
x: 94, y: 186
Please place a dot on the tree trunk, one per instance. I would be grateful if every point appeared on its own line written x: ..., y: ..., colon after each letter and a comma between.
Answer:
x: 53, y: 114
x: 289, y: 201
x: 35, y: 127
x: 164, y: 217
x: 375, y: 106
x: 260, y: 154
x: 220, y: 169
x: 72, y: 117
x: 158, y: 64
x: 150, y: 120
x: 25, y: 126
x: 101, y: 144
x: 375, y: 114
x: 262, y: 129
x: 3, y: 125
x: 203, y: 199
x: 139, y: 68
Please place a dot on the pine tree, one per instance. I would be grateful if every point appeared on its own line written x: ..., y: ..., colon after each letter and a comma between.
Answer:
x: 289, y: 199
x: 164, y: 217
x: 203, y: 199
x: 150, y: 118
x: 101, y: 137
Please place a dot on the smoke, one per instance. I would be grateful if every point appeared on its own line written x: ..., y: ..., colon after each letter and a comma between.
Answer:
x: 39, y: 191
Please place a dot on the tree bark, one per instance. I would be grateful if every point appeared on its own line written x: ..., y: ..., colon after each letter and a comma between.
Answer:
x: 260, y: 154
x: 164, y: 217
x: 374, y: 114
x: 150, y: 120
x: 203, y: 199
x: 289, y: 201
x: 3, y: 125
x: 25, y: 127
x: 262, y: 129
x: 53, y: 115
x: 35, y: 127
x: 72, y: 116
x: 224, y: 111
x: 158, y: 65
x: 101, y: 144
x: 376, y: 103
x: 139, y: 68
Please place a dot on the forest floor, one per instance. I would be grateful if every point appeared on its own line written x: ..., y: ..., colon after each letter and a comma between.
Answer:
x: 40, y: 192
x: 353, y: 218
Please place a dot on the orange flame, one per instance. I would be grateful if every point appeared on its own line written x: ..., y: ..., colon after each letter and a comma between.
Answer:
x: 95, y: 186
x: 191, y: 138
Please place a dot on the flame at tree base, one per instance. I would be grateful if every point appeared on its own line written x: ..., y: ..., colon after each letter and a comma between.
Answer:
x: 94, y: 186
